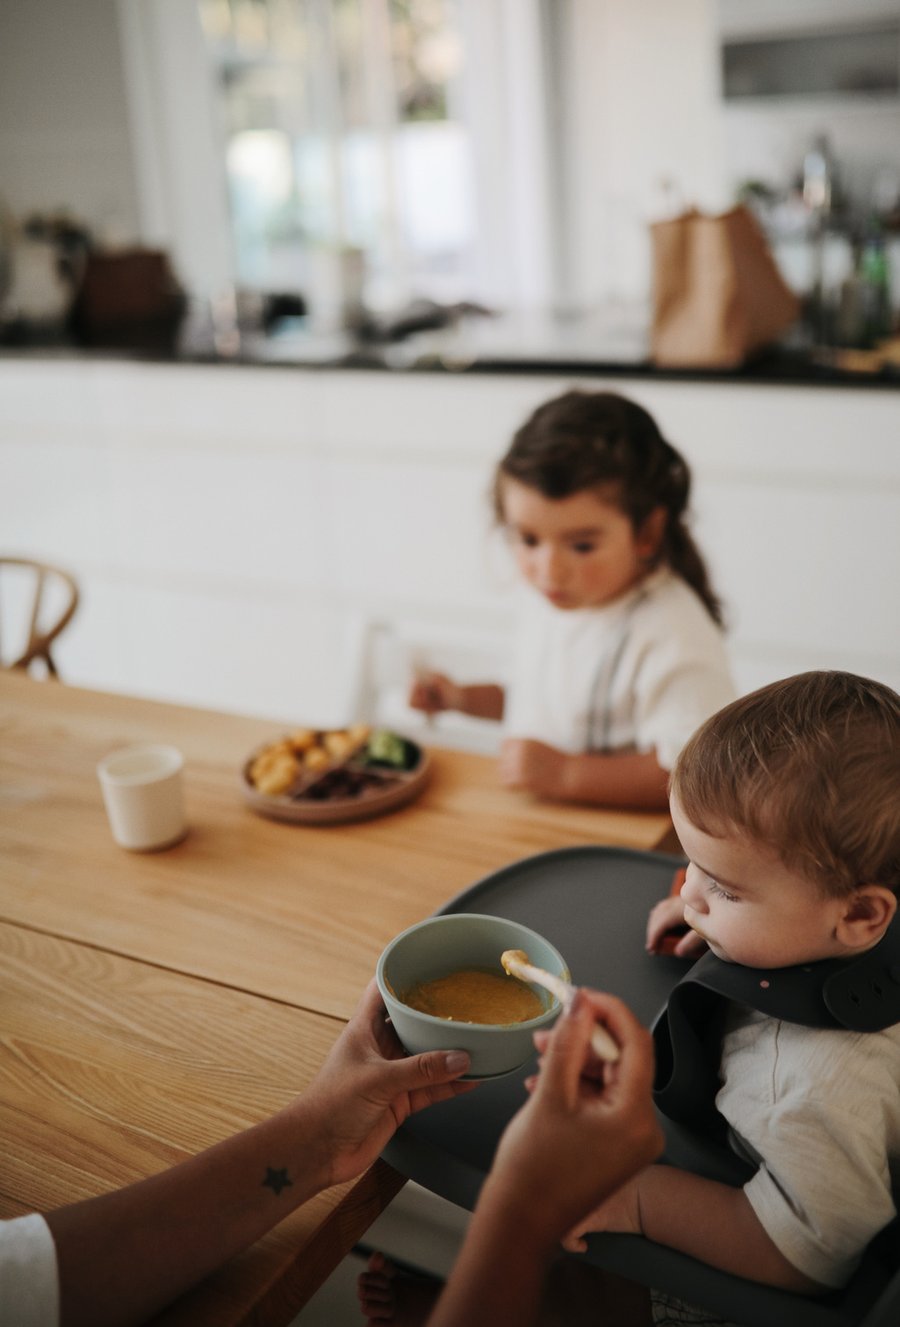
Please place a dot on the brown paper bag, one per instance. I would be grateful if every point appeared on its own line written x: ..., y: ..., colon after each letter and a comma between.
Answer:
x: 717, y: 293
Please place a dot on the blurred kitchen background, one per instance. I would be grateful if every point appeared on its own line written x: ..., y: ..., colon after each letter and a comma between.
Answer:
x: 209, y: 210
x: 297, y: 178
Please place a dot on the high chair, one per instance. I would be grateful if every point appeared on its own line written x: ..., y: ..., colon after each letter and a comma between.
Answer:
x: 592, y: 903
x: 42, y: 599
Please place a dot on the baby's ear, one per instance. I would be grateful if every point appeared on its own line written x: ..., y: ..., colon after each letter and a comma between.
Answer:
x: 869, y: 912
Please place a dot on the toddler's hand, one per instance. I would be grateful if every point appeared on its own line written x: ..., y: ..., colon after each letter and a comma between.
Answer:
x: 665, y: 918
x: 434, y: 692
x: 620, y: 1214
x: 532, y: 766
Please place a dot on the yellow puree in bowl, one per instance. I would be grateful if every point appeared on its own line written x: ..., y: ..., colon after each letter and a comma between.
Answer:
x: 471, y: 996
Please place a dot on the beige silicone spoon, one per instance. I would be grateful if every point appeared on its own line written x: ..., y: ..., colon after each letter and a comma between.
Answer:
x: 515, y: 962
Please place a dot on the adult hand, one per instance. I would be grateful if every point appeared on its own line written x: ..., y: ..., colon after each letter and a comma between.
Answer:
x: 435, y: 692
x: 664, y: 918
x: 368, y: 1086
x: 532, y: 766
x: 587, y: 1127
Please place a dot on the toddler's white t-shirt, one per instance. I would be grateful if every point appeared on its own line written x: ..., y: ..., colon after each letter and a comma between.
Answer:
x: 641, y: 673
x: 818, y: 1109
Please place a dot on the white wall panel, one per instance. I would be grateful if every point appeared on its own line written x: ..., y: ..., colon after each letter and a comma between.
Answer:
x: 814, y: 572
x: 52, y: 499
x: 420, y: 529
x: 231, y: 515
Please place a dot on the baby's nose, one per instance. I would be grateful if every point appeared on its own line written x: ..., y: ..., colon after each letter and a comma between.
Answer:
x: 691, y: 892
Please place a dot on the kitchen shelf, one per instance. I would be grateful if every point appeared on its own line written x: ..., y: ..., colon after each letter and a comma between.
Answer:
x: 849, y: 62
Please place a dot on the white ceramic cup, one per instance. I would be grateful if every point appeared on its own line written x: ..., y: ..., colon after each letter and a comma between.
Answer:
x: 142, y: 791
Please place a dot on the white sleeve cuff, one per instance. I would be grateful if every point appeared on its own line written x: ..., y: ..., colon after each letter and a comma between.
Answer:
x: 29, y: 1280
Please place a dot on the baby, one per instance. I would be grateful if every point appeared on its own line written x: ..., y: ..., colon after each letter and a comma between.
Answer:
x: 787, y: 803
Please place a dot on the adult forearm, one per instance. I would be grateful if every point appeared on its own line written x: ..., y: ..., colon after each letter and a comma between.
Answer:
x: 124, y: 1255
x: 630, y: 779
x: 500, y: 1272
x: 715, y: 1223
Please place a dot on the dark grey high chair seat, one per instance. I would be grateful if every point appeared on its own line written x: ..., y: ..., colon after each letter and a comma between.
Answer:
x: 592, y: 902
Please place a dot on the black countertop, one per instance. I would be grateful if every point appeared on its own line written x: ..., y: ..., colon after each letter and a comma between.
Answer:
x: 600, y: 348
x: 776, y: 367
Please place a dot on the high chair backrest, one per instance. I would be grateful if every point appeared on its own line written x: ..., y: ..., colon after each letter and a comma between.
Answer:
x: 37, y: 602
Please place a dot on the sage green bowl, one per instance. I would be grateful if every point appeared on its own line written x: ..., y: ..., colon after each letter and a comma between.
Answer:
x: 444, y: 944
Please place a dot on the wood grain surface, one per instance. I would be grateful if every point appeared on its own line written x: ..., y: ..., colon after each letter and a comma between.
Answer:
x: 297, y: 913
x: 112, y: 1070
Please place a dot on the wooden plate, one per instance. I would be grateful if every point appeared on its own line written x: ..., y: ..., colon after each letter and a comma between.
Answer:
x: 389, y: 790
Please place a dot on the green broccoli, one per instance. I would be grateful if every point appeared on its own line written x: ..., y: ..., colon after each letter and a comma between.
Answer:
x: 387, y: 748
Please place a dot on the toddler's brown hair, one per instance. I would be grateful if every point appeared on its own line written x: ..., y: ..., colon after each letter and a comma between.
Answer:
x: 582, y: 441
x: 809, y: 766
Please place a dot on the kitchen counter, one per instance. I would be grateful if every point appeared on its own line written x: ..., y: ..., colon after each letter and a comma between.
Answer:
x: 614, y: 346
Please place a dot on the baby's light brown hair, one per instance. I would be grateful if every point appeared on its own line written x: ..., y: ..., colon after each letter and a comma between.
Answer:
x: 809, y: 766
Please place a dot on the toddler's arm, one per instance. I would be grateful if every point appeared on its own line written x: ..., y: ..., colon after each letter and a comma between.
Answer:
x: 435, y: 692
x: 628, y: 779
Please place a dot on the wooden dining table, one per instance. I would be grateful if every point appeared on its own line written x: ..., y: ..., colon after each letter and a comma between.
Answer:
x: 154, y: 1003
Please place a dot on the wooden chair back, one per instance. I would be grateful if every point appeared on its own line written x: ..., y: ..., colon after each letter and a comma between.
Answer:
x: 43, y: 601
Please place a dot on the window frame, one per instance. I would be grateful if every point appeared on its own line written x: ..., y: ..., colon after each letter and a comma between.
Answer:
x: 179, y: 145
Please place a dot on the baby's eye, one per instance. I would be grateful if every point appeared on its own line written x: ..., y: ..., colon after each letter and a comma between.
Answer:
x: 584, y: 546
x: 527, y: 540
x: 713, y: 887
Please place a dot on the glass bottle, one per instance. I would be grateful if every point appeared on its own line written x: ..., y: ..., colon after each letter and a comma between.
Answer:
x: 874, y: 272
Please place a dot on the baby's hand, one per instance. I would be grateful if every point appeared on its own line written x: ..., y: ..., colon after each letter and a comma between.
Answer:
x: 434, y: 692
x: 532, y: 766
x: 621, y: 1214
x: 667, y: 917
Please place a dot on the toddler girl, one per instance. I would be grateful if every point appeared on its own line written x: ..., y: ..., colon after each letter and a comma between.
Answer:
x: 619, y: 655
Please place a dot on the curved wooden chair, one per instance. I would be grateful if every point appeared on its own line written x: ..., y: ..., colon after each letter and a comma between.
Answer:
x: 41, y: 596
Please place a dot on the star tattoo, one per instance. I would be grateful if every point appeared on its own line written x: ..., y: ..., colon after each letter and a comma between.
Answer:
x: 276, y: 1180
